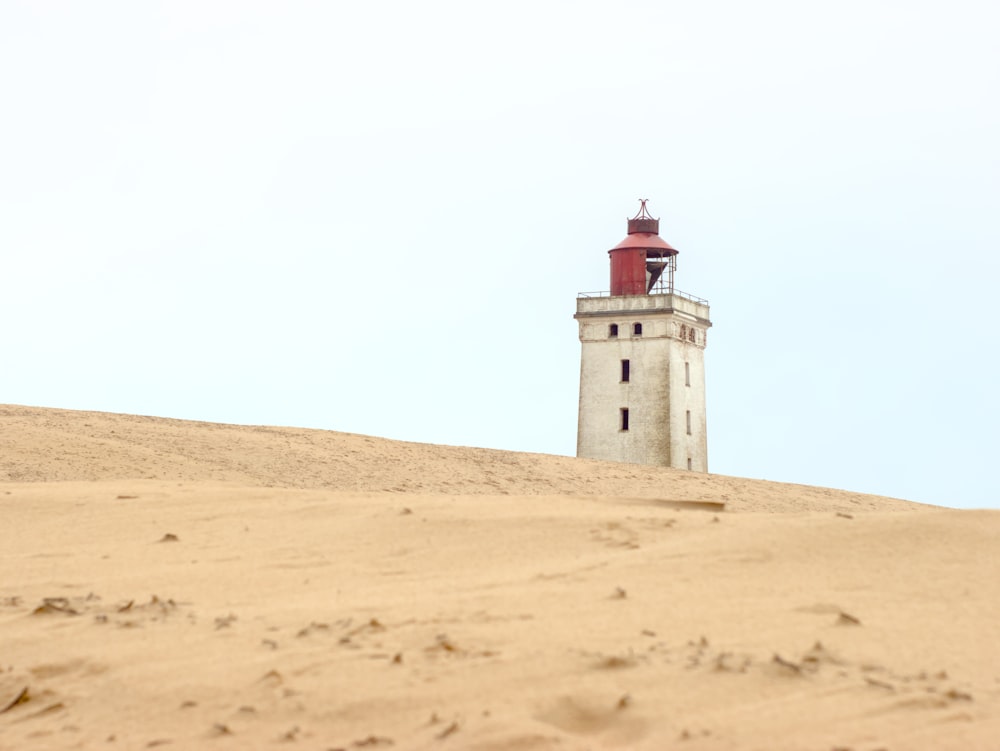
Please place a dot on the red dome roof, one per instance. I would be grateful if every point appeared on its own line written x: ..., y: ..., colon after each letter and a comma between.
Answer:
x: 647, y: 241
x: 644, y: 234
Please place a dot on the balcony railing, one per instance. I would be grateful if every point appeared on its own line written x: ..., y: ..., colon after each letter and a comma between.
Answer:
x: 677, y: 292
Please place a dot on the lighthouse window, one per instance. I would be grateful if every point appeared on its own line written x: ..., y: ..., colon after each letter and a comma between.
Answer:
x: 625, y: 371
x: 637, y: 329
x: 689, y: 462
x: 687, y: 374
x: 688, y: 417
x: 613, y: 330
x: 624, y: 418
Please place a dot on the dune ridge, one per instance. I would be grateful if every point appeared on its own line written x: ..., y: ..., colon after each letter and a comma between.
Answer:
x: 41, y: 445
x: 190, y: 585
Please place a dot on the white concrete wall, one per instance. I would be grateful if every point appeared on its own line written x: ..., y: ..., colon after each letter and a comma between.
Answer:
x: 656, y: 395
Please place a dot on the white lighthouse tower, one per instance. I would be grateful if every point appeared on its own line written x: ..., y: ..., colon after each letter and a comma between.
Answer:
x: 642, y: 361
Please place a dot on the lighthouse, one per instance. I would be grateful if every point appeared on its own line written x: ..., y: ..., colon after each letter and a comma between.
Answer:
x: 642, y: 359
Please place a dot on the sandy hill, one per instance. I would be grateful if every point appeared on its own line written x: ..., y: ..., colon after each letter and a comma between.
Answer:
x: 189, y: 585
x: 43, y: 445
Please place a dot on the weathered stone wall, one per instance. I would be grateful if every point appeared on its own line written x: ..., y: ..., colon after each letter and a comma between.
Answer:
x: 660, y: 391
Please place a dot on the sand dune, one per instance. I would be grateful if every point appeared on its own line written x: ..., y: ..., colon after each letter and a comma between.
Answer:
x: 187, y: 585
x: 44, y: 445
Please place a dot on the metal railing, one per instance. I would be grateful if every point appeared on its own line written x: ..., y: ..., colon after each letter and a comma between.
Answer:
x: 677, y: 292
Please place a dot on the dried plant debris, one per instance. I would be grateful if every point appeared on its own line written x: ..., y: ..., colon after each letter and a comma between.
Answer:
x: 787, y: 664
x: 727, y: 662
x: 445, y: 644
x: 156, y: 608
x: 314, y: 626
x: 22, y: 697
x: 372, y: 741
x: 225, y: 621
x: 450, y: 730
x: 846, y: 619
x: 273, y: 677
x: 819, y: 655
x: 616, y: 662
x: 879, y: 684
x: 52, y: 605
x: 956, y: 695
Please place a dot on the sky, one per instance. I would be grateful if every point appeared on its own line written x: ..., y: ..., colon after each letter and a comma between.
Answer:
x: 376, y: 218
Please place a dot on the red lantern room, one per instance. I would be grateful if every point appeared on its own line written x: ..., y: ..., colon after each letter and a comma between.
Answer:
x: 643, y: 261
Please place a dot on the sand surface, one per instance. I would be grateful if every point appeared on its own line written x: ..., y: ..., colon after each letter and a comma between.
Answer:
x: 189, y: 585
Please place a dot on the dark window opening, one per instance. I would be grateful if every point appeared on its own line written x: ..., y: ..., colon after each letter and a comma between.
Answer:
x: 689, y: 462
x: 687, y: 374
x: 613, y: 330
x: 637, y: 329
x: 625, y: 371
x: 689, y: 422
x: 624, y: 418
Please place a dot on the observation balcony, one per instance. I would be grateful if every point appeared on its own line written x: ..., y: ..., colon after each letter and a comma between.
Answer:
x: 606, y: 304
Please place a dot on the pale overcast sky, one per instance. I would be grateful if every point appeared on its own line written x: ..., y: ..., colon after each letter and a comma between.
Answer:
x: 376, y: 217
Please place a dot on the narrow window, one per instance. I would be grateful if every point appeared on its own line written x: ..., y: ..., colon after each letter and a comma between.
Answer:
x: 624, y: 418
x: 688, y: 416
x: 689, y: 462
x: 613, y: 331
x: 637, y: 329
x: 625, y: 372
x: 687, y: 374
